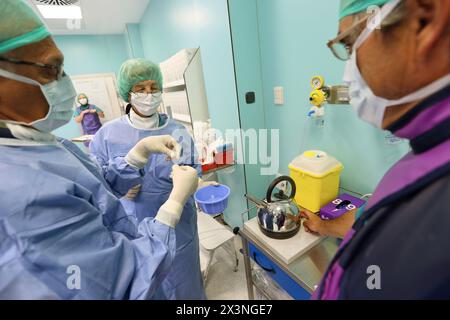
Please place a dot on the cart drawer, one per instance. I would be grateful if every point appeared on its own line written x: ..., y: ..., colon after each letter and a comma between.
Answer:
x: 278, y: 275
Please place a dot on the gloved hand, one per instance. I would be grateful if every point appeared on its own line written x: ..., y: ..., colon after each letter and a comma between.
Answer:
x: 138, y: 156
x: 202, y: 183
x: 133, y: 193
x: 185, y: 183
x: 30, y: 134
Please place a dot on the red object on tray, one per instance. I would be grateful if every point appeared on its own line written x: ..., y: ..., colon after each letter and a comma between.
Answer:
x: 208, y: 167
x: 224, y: 158
x: 221, y: 159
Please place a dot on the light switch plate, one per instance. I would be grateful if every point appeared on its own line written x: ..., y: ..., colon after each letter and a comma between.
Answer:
x: 278, y: 96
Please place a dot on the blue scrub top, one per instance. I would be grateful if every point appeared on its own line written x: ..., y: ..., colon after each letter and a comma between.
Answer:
x: 64, y: 235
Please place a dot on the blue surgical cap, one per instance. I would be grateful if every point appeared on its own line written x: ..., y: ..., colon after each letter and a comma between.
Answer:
x: 19, y: 25
x: 351, y: 7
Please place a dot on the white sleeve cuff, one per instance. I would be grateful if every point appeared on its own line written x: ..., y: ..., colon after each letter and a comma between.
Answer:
x: 170, y: 213
x: 135, y: 160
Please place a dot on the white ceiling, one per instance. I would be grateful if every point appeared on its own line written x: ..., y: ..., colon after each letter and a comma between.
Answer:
x: 100, y: 17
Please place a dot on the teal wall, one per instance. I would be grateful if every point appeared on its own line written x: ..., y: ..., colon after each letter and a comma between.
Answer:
x: 90, y: 55
x: 292, y: 42
x: 171, y: 25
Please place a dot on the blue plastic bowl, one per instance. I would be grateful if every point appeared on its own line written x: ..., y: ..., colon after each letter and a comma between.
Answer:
x: 213, y: 199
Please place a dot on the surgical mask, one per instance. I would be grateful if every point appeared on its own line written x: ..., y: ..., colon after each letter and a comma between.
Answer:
x: 60, y: 95
x: 147, y: 104
x: 83, y: 102
x: 368, y: 106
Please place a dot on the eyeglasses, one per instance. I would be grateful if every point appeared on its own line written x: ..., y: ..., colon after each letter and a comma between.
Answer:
x: 341, y: 50
x: 148, y: 91
x: 57, y: 71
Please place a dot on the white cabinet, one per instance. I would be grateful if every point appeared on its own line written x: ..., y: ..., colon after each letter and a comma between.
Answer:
x: 184, y: 94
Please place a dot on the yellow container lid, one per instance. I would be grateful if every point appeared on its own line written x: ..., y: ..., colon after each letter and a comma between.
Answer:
x: 316, y: 163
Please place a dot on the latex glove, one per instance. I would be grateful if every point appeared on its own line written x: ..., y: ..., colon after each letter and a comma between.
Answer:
x: 138, y: 156
x: 202, y: 183
x: 28, y: 133
x: 133, y: 193
x: 185, y: 183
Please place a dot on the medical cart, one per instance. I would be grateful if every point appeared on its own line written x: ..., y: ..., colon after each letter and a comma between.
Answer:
x: 299, y: 278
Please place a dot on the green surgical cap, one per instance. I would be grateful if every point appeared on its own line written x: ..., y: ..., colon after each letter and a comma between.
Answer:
x: 19, y: 25
x: 134, y: 71
x: 351, y: 7
x: 82, y: 95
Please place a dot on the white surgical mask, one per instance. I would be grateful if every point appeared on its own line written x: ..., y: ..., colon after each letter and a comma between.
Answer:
x: 147, y: 104
x: 60, y: 95
x: 367, y: 105
x: 83, y: 102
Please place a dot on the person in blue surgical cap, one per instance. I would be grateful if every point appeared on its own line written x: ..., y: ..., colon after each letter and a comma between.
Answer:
x: 63, y: 232
x: 140, y: 83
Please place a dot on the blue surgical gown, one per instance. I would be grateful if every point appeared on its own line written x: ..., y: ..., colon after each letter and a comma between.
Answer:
x: 108, y: 148
x: 60, y: 225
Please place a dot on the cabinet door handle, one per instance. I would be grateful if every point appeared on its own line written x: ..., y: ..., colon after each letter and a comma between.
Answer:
x: 265, y: 269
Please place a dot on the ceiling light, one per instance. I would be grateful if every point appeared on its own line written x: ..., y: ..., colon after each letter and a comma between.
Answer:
x: 60, y: 12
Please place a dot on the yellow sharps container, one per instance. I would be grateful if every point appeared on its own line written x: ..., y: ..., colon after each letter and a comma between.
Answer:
x: 316, y: 175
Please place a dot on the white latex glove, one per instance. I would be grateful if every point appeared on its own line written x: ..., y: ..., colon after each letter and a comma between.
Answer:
x: 185, y: 183
x: 133, y: 192
x: 202, y: 183
x: 30, y: 134
x: 138, y: 156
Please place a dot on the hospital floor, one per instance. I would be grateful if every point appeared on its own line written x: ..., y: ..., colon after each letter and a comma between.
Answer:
x: 223, y: 283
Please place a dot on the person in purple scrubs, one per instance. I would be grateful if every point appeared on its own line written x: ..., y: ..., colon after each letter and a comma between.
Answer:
x: 89, y: 116
x: 398, y: 75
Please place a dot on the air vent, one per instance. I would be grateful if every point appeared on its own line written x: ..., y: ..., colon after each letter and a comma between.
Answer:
x: 57, y: 2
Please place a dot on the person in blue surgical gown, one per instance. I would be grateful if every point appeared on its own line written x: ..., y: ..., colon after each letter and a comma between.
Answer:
x: 140, y: 83
x: 63, y: 232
